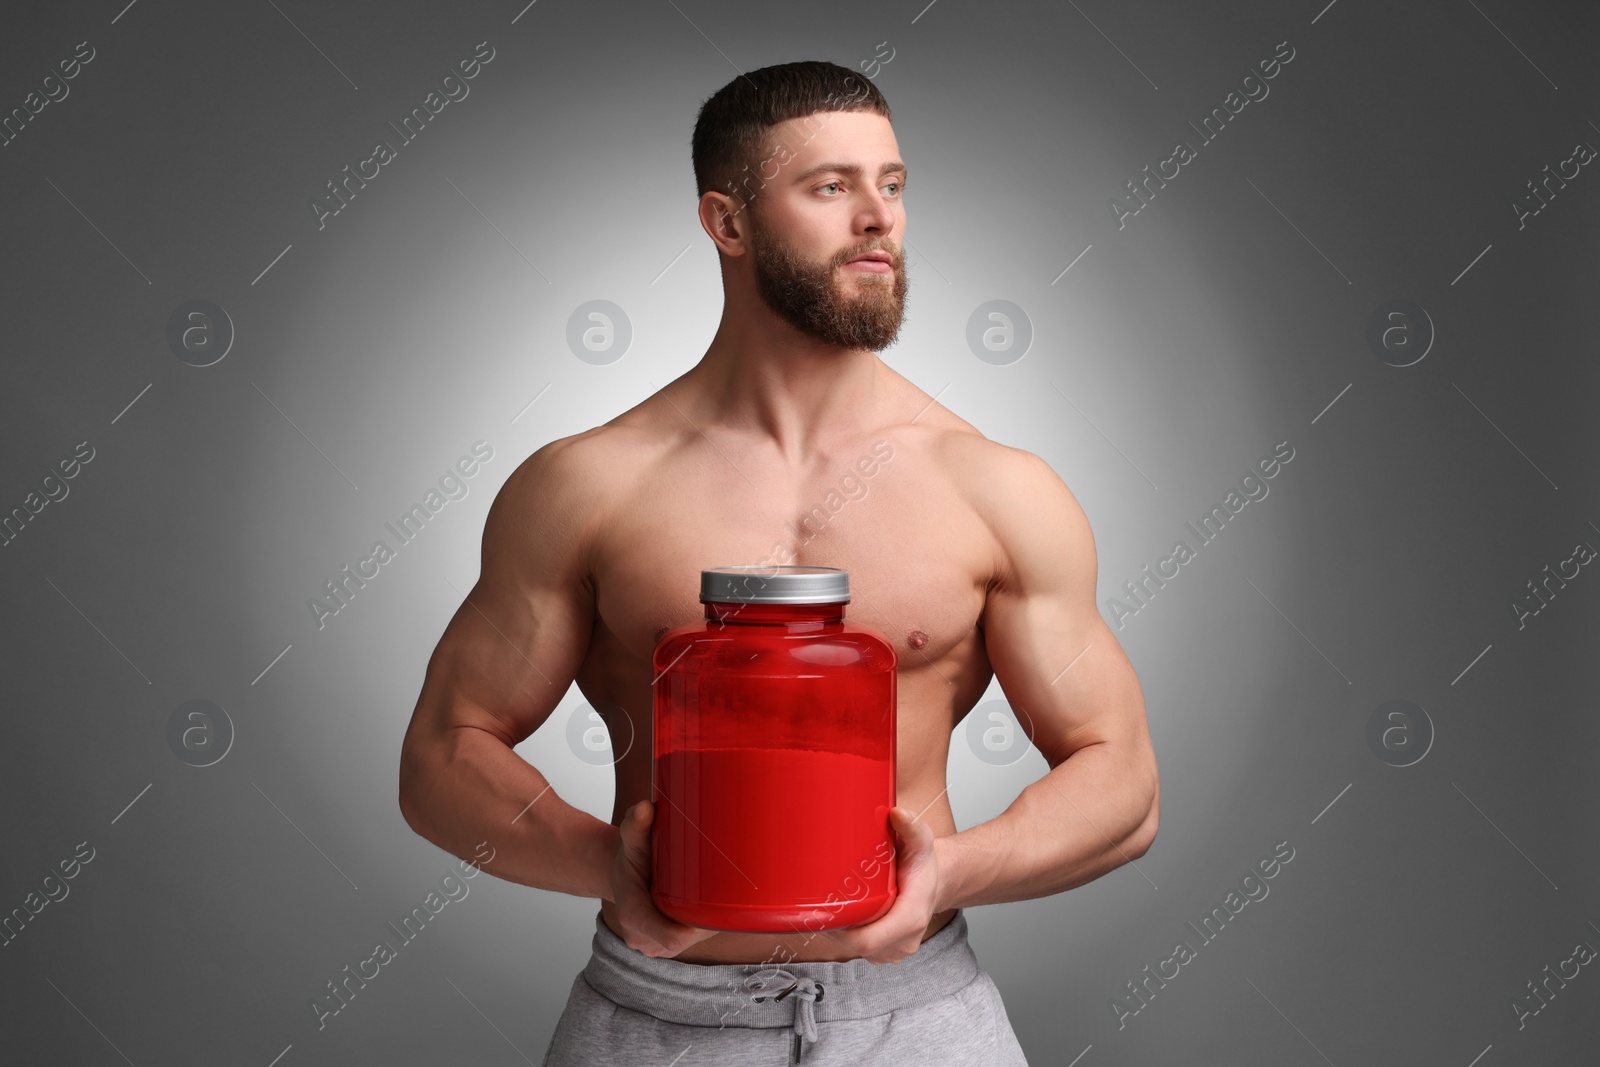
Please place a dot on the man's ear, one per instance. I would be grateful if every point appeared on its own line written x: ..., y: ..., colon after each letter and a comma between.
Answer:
x: 725, y: 220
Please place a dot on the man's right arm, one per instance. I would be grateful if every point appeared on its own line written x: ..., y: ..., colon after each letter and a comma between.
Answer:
x: 505, y: 661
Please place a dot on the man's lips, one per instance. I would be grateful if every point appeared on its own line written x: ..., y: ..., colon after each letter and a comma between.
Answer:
x: 878, y: 262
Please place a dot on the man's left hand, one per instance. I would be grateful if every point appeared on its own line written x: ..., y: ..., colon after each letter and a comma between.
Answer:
x: 898, y: 933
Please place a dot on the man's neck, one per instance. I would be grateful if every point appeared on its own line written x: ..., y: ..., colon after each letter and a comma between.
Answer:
x: 801, y: 397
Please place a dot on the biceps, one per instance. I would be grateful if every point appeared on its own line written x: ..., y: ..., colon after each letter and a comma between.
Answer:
x: 506, y: 659
x: 1063, y: 672
x: 1034, y: 639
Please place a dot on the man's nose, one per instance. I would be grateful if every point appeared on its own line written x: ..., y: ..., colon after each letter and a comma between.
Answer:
x: 876, y: 215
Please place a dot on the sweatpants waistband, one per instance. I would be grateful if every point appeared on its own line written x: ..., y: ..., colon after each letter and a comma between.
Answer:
x: 725, y: 994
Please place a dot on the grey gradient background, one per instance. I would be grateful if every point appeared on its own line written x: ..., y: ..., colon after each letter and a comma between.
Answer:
x: 1228, y: 315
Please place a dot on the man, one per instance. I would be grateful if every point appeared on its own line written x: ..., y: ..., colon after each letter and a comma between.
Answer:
x: 973, y: 557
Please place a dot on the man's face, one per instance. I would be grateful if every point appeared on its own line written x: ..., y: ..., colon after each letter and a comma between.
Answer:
x: 816, y: 215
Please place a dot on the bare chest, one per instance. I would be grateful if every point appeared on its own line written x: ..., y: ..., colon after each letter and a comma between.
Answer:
x: 919, y: 559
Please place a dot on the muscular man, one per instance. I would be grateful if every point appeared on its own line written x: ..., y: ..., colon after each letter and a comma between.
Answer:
x: 973, y: 557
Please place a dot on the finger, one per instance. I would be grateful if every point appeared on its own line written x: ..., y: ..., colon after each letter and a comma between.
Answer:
x: 659, y: 934
x: 639, y: 816
x: 635, y: 830
x: 916, y: 837
x: 671, y: 937
x: 911, y: 829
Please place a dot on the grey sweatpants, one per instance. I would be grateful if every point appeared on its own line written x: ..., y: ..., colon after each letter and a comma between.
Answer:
x: 935, y: 1007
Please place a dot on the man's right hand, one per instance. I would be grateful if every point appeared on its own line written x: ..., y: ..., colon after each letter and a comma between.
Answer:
x: 645, y: 928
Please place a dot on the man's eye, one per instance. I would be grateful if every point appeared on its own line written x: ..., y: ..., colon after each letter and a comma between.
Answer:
x: 899, y: 187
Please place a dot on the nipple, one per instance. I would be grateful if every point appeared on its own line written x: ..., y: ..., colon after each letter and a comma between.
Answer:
x: 916, y: 638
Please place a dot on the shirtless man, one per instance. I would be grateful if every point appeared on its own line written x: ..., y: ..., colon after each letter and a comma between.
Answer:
x: 972, y: 557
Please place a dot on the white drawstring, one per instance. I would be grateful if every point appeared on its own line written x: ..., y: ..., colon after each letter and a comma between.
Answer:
x: 779, y: 983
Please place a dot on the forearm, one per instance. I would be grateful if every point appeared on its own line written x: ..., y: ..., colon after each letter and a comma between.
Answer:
x: 1090, y: 814
x: 469, y: 788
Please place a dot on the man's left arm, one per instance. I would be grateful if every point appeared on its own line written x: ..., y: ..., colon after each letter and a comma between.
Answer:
x: 1073, y: 691
x: 1078, y: 699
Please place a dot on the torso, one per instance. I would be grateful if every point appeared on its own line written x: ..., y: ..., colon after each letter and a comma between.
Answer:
x: 920, y: 561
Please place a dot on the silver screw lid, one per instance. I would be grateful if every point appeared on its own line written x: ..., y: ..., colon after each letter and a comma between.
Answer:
x: 763, y: 583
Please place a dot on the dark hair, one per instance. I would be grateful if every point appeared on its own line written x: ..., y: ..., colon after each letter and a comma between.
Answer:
x: 731, y: 130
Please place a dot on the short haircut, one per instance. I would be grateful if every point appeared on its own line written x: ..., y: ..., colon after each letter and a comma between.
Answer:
x: 731, y: 131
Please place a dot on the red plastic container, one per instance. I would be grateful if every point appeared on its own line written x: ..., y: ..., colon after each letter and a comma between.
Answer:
x: 774, y: 757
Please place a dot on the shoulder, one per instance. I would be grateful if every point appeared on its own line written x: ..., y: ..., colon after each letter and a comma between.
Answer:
x: 559, y: 497
x: 1041, y: 534
x: 550, y: 477
x: 994, y: 477
x: 998, y: 479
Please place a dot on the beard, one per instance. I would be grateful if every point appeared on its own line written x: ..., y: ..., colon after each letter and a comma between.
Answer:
x: 809, y: 296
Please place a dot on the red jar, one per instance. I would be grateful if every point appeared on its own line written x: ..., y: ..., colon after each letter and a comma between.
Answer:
x: 774, y: 757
